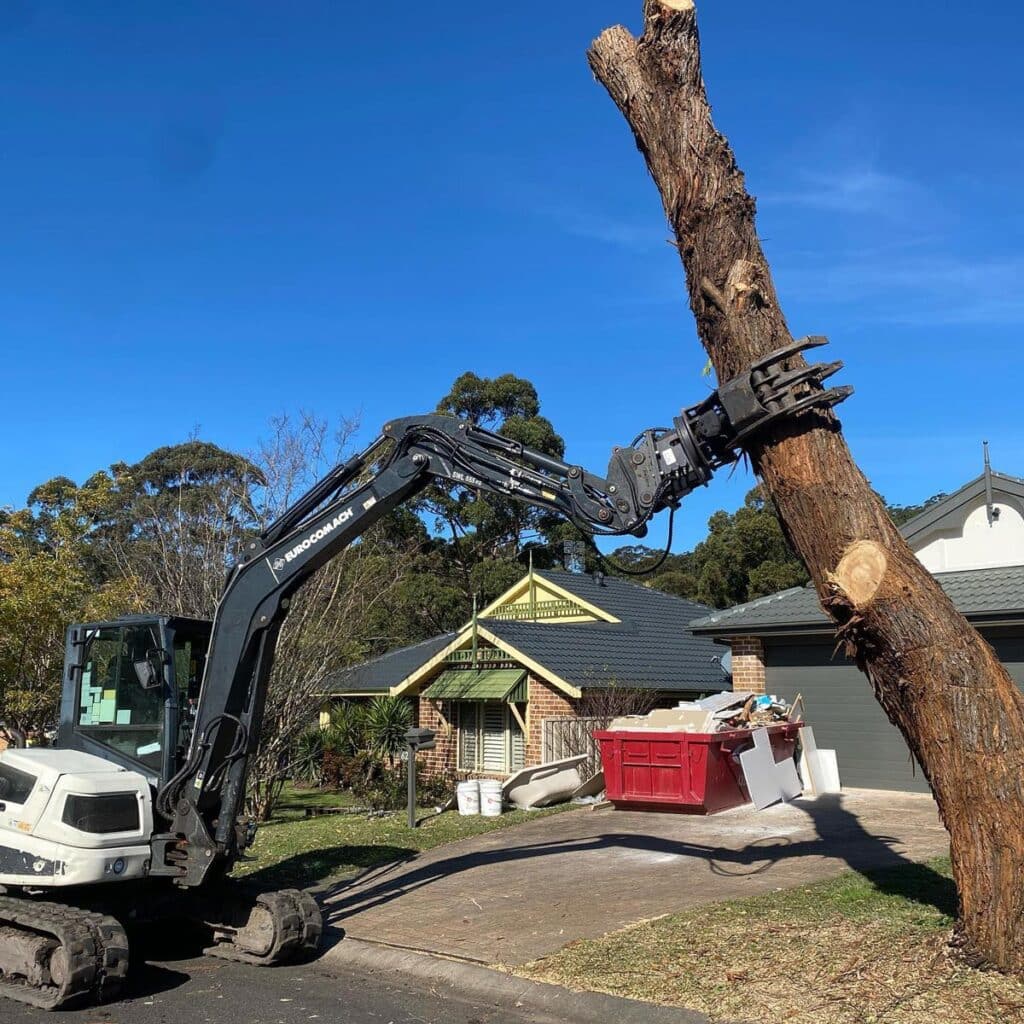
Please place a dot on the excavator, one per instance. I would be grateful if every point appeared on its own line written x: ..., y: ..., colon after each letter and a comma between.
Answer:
x: 136, y: 812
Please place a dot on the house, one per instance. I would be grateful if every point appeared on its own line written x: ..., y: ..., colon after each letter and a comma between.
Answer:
x: 973, y: 542
x: 540, y: 652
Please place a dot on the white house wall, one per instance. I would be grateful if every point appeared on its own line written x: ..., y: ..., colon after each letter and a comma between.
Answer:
x: 974, y: 544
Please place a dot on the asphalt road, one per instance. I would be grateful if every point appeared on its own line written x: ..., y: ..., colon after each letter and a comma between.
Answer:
x: 207, y: 990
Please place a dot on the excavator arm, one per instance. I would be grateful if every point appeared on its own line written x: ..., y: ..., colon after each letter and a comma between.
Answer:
x: 203, y: 799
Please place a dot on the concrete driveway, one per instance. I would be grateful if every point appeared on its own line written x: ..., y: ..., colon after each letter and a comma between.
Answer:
x: 515, y: 895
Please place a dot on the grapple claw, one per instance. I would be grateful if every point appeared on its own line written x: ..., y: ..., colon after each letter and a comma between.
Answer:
x: 787, y: 351
x: 769, y: 391
x: 785, y: 381
x: 815, y: 400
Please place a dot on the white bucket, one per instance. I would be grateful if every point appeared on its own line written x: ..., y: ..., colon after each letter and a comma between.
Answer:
x: 468, y: 796
x: 490, y: 798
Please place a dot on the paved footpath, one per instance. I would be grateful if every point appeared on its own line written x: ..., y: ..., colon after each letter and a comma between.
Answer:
x: 516, y: 895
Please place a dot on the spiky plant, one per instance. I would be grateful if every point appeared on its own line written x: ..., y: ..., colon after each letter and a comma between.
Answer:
x: 387, y: 719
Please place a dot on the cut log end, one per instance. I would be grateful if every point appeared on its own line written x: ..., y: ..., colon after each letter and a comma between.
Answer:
x: 860, y: 571
x: 612, y: 57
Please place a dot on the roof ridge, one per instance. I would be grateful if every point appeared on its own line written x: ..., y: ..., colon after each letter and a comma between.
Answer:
x: 757, y: 602
x: 1008, y: 476
x: 626, y: 583
x: 978, y: 568
x: 979, y: 592
x: 954, y: 499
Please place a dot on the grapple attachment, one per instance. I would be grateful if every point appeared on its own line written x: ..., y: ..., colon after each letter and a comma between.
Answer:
x: 770, y: 390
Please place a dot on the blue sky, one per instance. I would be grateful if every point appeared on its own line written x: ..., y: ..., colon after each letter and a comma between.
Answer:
x: 215, y: 212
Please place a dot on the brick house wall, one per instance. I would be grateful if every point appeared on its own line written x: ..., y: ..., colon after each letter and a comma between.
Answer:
x: 440, y: 760
x: 747, y: 664
x: 545, y: 702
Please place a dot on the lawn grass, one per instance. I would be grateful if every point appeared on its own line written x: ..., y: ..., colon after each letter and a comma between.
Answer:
x: 295, y: 799
x: 293, y: 850
x: 859, y: 949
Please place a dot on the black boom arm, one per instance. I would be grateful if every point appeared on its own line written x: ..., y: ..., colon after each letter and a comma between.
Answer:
x: 202, y: 801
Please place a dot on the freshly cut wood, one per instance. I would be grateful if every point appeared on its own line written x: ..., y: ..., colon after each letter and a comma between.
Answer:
x: 936, y: 678
x: 860, y: 571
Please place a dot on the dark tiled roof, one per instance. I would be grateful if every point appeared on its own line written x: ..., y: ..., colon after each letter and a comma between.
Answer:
x: 980, y: 594
x: 625, y: 599
x: 621, y: 654
x: 379, y: 674
x: 651, y: 647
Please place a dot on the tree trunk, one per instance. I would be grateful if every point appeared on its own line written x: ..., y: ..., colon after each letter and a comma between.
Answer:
x: 939, y: 682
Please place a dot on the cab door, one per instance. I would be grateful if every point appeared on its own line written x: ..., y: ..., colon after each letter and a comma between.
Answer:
x: 116, y: 695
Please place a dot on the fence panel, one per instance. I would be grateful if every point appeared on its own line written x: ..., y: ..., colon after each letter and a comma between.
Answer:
x: 567, y: 737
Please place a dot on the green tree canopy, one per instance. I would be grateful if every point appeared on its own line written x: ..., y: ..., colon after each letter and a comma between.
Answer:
x: 178, y: 519
x: 46, y: 584
x: 486, y: 526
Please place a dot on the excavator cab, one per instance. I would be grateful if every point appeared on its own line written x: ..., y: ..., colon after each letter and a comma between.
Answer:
x: 131, y: 687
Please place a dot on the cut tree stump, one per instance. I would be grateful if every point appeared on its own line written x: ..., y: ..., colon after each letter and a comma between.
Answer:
x: 939, y: 682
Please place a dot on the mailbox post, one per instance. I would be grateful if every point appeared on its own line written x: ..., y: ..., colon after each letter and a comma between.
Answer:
x: 416, y: 740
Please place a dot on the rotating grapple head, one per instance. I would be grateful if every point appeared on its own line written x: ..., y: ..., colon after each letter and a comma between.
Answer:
x: 770, y: 391
x: 705, y: 437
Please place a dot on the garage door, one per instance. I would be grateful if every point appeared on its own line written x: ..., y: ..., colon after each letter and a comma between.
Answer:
x: 1011, y: 653
x: 846, y: 716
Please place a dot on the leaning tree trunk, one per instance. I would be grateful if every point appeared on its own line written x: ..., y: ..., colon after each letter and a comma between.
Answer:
x: 939, y: 682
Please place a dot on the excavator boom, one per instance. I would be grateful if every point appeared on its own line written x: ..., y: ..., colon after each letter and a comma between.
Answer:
x: 202, y: 800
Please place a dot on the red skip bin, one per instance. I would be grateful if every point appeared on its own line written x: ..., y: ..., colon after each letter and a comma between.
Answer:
x: 689, y: 772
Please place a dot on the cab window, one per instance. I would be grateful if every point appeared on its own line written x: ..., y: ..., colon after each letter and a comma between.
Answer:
x: 15, y: 786
x: 114, y: 708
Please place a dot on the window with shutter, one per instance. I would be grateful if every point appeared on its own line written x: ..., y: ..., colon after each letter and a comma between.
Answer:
x: 489, y: 737
x: 468, y: 735
x: 494, y: 759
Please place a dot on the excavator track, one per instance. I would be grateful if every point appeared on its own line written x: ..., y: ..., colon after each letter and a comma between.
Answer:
x: 268, y: 928
x: 112, y: 954
x: 68, y: 956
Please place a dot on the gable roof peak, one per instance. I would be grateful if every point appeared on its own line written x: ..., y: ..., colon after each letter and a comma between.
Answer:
x: 974, y: 488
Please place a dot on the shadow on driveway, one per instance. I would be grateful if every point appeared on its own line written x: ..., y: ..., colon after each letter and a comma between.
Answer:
x: 865, y: 853
x: 839, y: 833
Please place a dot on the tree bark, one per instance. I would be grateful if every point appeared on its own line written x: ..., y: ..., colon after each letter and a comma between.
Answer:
x: 939, y: 682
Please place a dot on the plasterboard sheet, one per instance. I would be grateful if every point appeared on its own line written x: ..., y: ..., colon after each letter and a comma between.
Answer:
x: 768, y: 781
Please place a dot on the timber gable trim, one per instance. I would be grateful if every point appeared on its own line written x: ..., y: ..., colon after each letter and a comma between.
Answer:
x: 411, y: 684
x: 544, y: 582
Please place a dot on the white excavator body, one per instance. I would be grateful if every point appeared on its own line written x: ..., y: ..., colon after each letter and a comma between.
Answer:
x: 70, y: 818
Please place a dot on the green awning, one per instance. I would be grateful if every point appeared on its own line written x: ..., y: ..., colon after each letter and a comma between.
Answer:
x: 486, y: 684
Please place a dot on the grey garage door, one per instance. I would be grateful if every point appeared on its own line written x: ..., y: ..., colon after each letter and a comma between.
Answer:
x: 1011, y: 653
x: 846, y: 716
